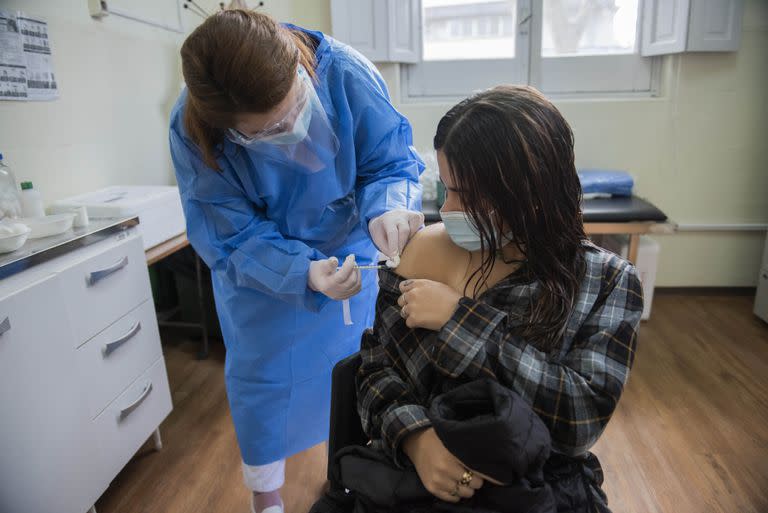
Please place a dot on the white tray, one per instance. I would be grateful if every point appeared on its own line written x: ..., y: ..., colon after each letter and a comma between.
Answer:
x: 48, y: 226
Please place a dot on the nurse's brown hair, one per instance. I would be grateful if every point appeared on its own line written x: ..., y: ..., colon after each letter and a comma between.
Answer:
x: 236, y: 62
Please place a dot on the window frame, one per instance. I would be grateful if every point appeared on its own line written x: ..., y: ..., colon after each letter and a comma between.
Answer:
x: 600, y: 76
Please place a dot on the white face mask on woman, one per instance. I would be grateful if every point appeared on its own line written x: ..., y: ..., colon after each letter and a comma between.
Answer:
x: 463, y: 233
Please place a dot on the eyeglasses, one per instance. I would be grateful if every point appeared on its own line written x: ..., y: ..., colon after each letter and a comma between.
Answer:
x: 283, y: 125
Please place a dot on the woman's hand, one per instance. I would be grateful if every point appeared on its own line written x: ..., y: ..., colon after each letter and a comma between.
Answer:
x: 439, y: 470
x: 427, y: 304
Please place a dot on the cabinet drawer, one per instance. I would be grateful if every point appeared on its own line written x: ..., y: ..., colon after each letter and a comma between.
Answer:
x: 105, y: 287
x: 114, y: 358
x: 131, y: 418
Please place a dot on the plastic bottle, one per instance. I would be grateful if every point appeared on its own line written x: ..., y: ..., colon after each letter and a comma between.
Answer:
x: 10, y: 199
x: 31, y: 201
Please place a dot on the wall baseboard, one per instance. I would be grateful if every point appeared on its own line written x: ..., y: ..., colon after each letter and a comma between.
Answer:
x: 722, y: 227
x: 706, y: 291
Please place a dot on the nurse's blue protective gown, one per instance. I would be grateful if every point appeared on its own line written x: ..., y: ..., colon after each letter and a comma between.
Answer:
x: 259, y: 223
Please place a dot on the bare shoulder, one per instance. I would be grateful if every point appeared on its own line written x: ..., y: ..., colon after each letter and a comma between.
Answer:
x: 431, y: 255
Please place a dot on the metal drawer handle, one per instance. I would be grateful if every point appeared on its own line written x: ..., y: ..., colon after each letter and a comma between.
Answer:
x: 5, y: 326
x: 96, y: 276
x: 108, y: 348
x: 135, y: 404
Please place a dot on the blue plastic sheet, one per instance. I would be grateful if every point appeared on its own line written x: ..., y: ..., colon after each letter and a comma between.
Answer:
x: 606, y: 181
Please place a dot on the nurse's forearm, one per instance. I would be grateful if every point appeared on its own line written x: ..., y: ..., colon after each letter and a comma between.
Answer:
x: 386, y: 194
x: 276, y: 274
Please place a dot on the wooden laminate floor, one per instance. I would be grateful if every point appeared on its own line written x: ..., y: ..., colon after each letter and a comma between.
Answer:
x: 690, y: 434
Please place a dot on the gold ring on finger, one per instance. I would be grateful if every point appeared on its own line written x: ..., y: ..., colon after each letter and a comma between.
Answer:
x: 466, y: 478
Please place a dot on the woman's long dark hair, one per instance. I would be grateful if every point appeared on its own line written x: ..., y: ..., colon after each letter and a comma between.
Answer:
x: 510, y: 153
x: 237, y: 62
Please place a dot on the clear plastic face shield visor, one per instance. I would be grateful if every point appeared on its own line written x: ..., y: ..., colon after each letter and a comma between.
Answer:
x: 303, y: 137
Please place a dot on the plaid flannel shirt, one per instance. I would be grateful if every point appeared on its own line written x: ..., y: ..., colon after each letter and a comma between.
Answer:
x: 574, y: 390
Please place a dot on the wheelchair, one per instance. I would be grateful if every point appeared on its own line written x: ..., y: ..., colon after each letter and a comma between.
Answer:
x: 346, y: 427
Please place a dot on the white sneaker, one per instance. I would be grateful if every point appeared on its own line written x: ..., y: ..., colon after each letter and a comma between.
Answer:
x: 271, y: 509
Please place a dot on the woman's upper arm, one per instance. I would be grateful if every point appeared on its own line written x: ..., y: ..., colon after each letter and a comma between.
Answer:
x: 431, y: 255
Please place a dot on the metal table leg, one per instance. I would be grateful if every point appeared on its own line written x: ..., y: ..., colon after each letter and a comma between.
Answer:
x: 203, y: 353
x: 634, y: 245
x: 157, y: 439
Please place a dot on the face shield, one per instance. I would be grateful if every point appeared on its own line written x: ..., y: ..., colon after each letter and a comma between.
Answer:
x: 303, y: 137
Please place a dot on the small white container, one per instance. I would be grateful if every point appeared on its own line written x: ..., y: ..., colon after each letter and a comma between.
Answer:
x: 647, y: 263
x: 11, y: 242
x: 31, y: 201
x: 48, y: 226
x: 81, y: 217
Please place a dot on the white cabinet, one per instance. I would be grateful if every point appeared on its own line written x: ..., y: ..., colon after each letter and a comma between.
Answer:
x: 674, y: 26
x: 382, y: 30
x: 82, y: 376
x: 761, y: 300
x: 41, y: 439
x: 765, y: 253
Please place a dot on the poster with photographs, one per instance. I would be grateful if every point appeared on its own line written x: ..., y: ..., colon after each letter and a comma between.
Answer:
x: 41, y: 81
x: 26, y: 62
x: 13, y: 65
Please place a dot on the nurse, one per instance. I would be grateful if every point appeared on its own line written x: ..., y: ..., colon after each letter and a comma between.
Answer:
x: 290, y: 158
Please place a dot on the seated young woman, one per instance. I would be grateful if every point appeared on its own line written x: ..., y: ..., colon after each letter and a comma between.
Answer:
x: 507, y: 288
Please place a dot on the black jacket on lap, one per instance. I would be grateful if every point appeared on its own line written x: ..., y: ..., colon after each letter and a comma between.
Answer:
x: 491, y: 430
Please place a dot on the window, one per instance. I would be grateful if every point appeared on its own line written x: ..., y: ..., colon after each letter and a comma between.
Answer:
x: 578, y: 28
x: 462, y: 30
x: 560, y: 46
x: 468, y: 45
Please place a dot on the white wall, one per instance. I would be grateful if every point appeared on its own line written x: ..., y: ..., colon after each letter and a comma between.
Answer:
x: 698, y: 151
x: 118, y: 80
